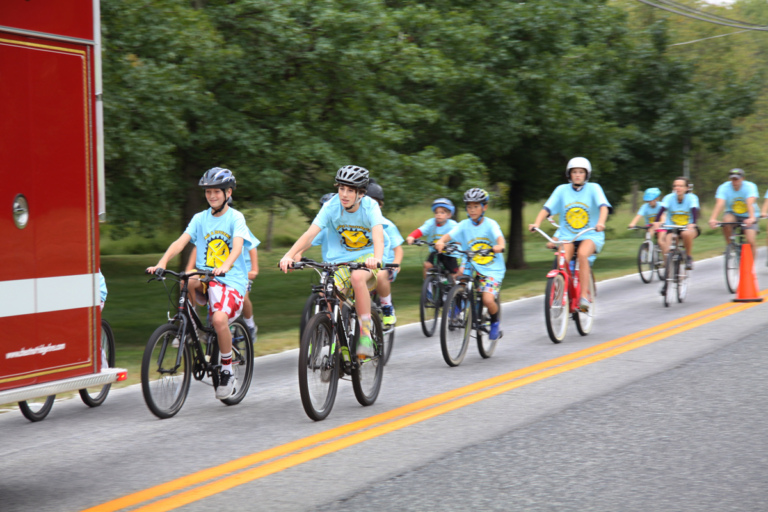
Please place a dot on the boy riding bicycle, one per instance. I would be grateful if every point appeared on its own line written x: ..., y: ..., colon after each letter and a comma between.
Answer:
x: 354, y: 232
x: 476, y: 233
x: 394, y: 254
x: 580, y: 205
x: 650, y: 209
x: 737, y: 197
x: 432, y: 230
x: 683, y: 208
x: 218, y: 234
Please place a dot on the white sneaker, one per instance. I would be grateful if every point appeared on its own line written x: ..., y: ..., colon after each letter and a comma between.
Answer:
x: 226, y: 387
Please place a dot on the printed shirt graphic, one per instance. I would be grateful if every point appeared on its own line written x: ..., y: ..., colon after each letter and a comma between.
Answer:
x: 349, y: 235
x: 736, y: 200
x: 484, y: 236
x: 213, y: 238
x: 578, y: 210
x: 432, y: 232
x: 248, y: 244
x: 677, y: 212
x: 649, y: 213
x: 395, y: 240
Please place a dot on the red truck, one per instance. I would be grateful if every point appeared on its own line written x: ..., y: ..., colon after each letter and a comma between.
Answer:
x: 51, y: 199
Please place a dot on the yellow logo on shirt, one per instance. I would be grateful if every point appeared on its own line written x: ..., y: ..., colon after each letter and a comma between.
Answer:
x: 217, y: 254
x: 680, y: 219
x: 739, y: 207
x: 479, y: 245
x: 354, y: 240
x: 577, y: 217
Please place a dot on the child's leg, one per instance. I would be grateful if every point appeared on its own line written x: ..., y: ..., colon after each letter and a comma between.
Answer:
x: 489, y: 301
x: 586, y: 249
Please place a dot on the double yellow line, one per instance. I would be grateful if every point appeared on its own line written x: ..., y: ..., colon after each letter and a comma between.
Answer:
x: 208, y: 482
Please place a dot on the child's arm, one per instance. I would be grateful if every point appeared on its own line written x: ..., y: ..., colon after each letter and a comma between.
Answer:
x: 635, y: 221
x: 192, y: 260
x: 440, y: 244
x: 237, y: 249
x: 377, y: 233
x: 254, y: 264
x: 500, y: 245
x: 173, y: 249
x: 543, y: 214
x: 603, y: 217
x: 302, y: 244
x: 416, y: 233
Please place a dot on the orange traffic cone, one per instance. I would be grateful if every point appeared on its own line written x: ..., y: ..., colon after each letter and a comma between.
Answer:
x: 747, y: 291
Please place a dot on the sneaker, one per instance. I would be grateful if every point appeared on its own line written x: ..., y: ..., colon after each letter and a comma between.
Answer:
x: 688, y: 263
x: 494, y: 334
x: 365, y: 347
x: 226, y: 385
x: 388, y: 317
x: 429, y: 294
x: 663, y: 290
x: 584, y: 305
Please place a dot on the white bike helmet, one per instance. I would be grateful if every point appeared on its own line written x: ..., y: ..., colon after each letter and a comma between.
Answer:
x: 578, y: 161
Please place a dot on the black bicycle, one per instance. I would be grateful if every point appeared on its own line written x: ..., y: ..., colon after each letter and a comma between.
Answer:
x: 733, y: 255
x: 676, y: 272
x: 433, y: 292
x: 176, y: 352
x: 464, y: 312
x: 328, y: 347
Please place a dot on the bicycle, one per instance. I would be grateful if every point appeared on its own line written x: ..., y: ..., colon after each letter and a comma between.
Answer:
x: 676, y: 272
x: 433, y: 292
x: 563, y: 293
x: 175, y: 352
x: 38, y: 408
x: 733, y: 255
x: 649, y: 257
x: 464, y: 312
x: 328, y: 347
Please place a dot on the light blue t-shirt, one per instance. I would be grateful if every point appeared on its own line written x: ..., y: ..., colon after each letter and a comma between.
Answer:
x: 736, y: 200
x: 320, y: 240
x: 249, y: 244
x: 102, y: 287
x: 395, y: 240
x: 680, y: 213
x: 213, y: 237
x: 649, y: 213
x: 432, y: 232
x: 349, y: 235
x: 578, y: 210
x: 475, y: 238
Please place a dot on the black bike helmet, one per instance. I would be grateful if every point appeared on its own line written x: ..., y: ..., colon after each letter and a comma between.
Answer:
x: 352, y: 176
x: 218, y: 177
x: 375, y: 191
x: 476, y: 195
x: 327, y: 197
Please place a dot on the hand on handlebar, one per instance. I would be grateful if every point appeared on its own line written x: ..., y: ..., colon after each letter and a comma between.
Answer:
x: 373, y: 262
x: 286, y: 264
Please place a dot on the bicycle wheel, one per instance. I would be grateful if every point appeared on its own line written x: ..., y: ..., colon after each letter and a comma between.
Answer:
x: 368, y: 373
x: 485, y: 345
x: 645, y: 261
x: 309, y: 310
x: 584, y: 321
x: 556, y: 307
x: 732, y: 270
x: 318, y: 367
x: 658, y: 261
x: 93, y: 397
x: 456, y: 325
x: 670, y: 273
x: 36, y: 409
x: 164, y: 385
x: 430, y: 305
x: 242, y: 360
x: 682, y: 278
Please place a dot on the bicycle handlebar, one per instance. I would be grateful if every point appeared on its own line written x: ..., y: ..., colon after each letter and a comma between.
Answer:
x: 352, y: 265
x: 160, y: 272
x: 552, y: 240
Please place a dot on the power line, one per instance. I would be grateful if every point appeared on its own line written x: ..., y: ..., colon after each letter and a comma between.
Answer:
x: 759, y: 28
x: 711, y: 37
x: 678, y: 5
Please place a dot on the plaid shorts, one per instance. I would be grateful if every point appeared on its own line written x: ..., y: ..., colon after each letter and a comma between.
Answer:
x: 343, y: 281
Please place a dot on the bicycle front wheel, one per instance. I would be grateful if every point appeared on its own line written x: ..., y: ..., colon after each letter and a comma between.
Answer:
x: 670, y: 274
x: 368, y: 373
x: 456, y: 325
x: 37, y: 409
x: 318, y: 367
x: 93, y: 397
x: 682, y: 279
x: 430, y: 305
x: 556, y: 307
x: 308, y: 312
x: 645, y: 261
x: 732, y: 270
x: 485, y: 345
x: 584, y: 321
x: 164, y: 385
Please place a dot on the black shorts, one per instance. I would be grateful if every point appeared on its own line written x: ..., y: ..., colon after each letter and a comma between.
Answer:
x: 449, y: 262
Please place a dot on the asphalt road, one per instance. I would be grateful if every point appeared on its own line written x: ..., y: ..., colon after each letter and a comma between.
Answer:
x: 657, y: 409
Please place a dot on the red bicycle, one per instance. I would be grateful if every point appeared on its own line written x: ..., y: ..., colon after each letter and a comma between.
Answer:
x: 563, y: 292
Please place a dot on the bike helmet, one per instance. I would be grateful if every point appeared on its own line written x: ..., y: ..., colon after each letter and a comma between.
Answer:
x: 352, y: 176
x: 651, y: 193
x: 476, y: 195
x: 443, y: 203
x: 578, y: 161
x: 375, y: 191
x: 326, y: 198
x: 218, y: 177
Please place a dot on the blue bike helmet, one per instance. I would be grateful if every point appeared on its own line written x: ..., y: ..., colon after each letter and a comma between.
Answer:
x: 326, y: 198
x: 443, y: 203
x: 651, y: 193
